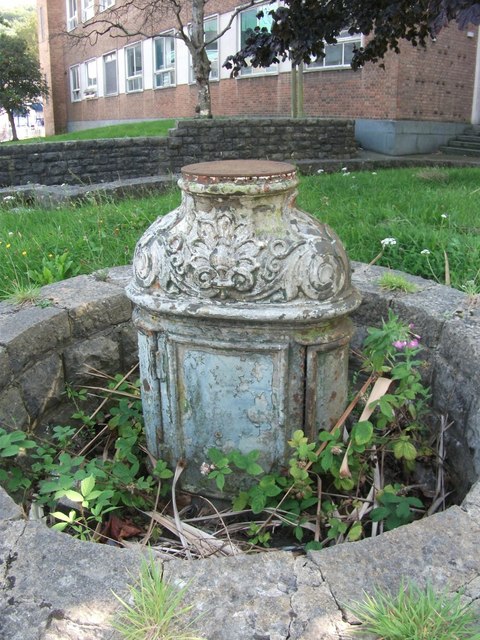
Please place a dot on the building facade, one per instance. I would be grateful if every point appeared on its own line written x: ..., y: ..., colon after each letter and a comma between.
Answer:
x: 423, y: 94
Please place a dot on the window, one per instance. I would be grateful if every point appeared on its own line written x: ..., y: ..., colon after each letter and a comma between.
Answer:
x: 90, y: 79
x: 211, y: 30
x: 134, y: 69
x: 164, y: 63
x: 248, y: 22
x: 106, y: 4
x: 210, y: 27
x: 87, y: 10
x: 72, y: 16
x: 340, y: 54
x: 75, y: 88
x: 110, y: 73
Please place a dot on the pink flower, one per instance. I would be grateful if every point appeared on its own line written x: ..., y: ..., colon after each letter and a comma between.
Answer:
x: 399, y: 344
x: 413, y: 344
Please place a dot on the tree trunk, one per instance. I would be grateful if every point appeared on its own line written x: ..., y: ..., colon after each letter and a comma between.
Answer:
x: 11, y: 120
x: 200, y: 62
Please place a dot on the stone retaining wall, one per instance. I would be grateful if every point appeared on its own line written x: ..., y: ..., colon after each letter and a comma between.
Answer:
x: 95, y: 161
x: 88, y: 324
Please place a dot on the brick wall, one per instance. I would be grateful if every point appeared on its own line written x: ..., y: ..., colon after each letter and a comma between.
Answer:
x: 436, y: 84
x: 93, y: 161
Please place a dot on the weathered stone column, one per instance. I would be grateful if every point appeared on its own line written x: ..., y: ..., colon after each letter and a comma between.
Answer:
x: 241, y: 303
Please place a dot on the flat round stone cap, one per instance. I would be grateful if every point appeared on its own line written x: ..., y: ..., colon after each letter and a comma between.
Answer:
x: 237, y: 170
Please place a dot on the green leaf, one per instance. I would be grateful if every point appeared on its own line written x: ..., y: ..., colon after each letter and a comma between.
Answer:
x: 362, y: 432
x: 220, y: 481
x: 254, y: 469
x: 403, y: 448
x: 240, y: 501
x: 355, y: 532
x: 73, y: 495
x: 380, y: 513
x: 87, y: 485
x: 313, y: 545
x: 10, y: 451
x: 258, y: 502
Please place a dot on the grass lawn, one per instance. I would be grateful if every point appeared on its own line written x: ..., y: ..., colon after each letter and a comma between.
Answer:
x: 130, y: 130
x: 425, y: 210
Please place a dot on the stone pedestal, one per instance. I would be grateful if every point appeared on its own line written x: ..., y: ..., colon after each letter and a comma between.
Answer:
x: 241, y: 303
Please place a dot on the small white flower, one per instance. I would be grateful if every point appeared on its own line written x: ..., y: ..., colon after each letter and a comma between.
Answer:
x: 346, y: 173
x: 8, y: 198
x: 344, y: 168
x: 374, y: 173
x: 387, y: 242
x: 444, y: 216
x: 205, y: 468
x: 10, y: 233
x: 320, y: 170
x: 425, y: 252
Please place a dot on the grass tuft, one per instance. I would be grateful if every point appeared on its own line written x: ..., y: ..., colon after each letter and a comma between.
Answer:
x: 433, y: 175
x: 394, y: 282
x: 155, y: 610
x: 416, y: 614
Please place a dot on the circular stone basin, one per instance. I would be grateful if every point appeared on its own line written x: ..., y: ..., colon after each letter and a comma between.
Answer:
x: 88, y: 324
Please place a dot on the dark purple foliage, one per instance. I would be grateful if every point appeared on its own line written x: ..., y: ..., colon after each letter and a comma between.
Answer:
x: 301, y: 28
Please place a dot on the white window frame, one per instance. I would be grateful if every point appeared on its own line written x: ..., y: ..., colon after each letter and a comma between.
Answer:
x: 71, y: 12
x: 134, y: 82
x: 88, y: 9
x: 344, y: 38
x: 75, y: 83
x: 164, y: 76
x: 104, y: 62
x: 91, y: 78
x: 248, y: 72
x: 215, y: 46
x: 106, y: 4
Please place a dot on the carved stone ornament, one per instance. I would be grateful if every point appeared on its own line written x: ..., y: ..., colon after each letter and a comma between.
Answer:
x: 238, y: 238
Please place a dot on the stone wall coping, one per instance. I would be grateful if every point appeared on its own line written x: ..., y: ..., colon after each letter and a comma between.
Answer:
x: 276, y: 594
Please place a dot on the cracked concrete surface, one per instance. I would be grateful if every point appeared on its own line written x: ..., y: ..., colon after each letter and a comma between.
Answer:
x: 55, y: 587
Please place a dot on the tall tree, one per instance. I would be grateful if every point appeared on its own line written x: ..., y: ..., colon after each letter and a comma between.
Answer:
x: 147, y: 18
x: 21, y: 81
x: 301, y: 28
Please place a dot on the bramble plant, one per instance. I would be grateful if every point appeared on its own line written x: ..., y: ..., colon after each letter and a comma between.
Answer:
x: 330, y: 486
x: 349, y: 483
x: 98, y: 485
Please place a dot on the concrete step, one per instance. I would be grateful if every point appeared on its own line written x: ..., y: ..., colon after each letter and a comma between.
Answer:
x: 474, y: 140
x: 459, y: 151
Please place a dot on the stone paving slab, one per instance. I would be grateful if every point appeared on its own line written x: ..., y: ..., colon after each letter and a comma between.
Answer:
x: 54, y: 587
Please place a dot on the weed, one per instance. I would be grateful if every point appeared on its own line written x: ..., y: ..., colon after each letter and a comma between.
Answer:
x: 25, y: 294
x: 54, y: 268
x: 395, y: 282
x: 155, y: 608
x: 416, y: 614
x: 433, y: 175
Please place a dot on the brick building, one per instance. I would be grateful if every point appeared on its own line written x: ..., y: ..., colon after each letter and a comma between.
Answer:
x: 419, y: 100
